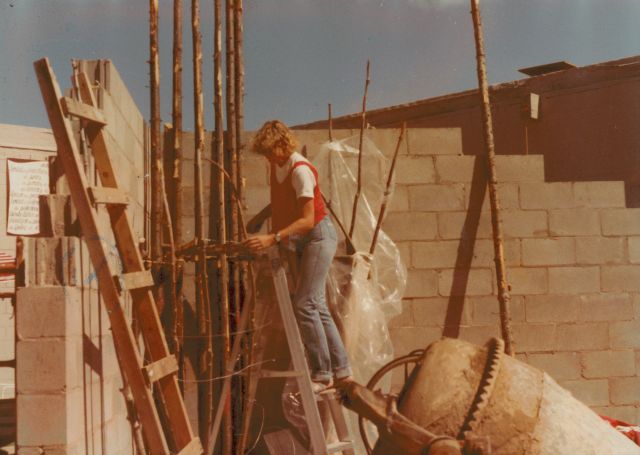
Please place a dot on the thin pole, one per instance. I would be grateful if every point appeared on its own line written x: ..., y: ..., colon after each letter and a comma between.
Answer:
x: 498, y: 247
x: 330, y: 123
x: 385, y: 199
x: 202, y: 282
x: 154, y: 87
x: 363, y: 124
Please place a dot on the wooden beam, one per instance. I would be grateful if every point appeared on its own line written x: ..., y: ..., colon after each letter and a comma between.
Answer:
x: 106, y: 195
x: 135, y: 280
x: 160, y: 368
x: 82, y: 110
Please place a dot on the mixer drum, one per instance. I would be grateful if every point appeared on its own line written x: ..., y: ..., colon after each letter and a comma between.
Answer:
x: 460, y: 388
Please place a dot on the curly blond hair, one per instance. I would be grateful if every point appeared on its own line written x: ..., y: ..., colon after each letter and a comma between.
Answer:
x: 274, y: 139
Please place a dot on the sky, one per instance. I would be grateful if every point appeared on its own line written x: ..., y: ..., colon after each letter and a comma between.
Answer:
x: 302, y: 54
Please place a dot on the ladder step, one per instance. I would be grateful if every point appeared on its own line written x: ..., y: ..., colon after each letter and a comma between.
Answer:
x: 82, y: 110
x: 339, y: 446
x: 160, y: 368
x: 193, y: 448
x: 107, y: 195
x: 135, y: 280
x: 280, y: 374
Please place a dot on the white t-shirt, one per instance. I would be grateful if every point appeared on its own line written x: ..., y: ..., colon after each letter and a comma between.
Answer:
x: 302, y: 178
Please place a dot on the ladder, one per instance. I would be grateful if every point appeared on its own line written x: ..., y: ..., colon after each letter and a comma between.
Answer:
x: 300, y: 372
x: 161, y: 371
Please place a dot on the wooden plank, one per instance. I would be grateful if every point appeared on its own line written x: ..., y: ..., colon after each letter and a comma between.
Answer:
x: 106, y: 195
x: 82, y: 110
x: 160, y: 368
x: 123, y: 337
x: 144, y: 303
x: 279, y: 374
x: 135, y: 280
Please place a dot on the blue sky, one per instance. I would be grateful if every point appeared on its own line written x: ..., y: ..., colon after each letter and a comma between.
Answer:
x: 302, y: 54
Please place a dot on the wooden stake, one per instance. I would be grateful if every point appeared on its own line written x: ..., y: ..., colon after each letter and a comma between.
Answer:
x: 154, y: 87
x: 330, y: 124
x: 385, y: 199
x: 498, y: 247
x: 363, y: 125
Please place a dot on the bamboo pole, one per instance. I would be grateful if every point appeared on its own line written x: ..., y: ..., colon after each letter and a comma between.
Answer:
x: 385, y: 199
x: 202, y: 282
x: 154, y: 87
x: 498, y: 247
x: 363, y: 124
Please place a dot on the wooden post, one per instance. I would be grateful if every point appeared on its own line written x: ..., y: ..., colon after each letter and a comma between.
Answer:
x: 363, y: 125
x: 498, y: 247
x: 154, y: 87
x: 330, y: 124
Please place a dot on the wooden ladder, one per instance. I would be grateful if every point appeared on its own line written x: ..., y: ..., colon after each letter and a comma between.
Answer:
x: 300, y: 372
x: 161, y: 371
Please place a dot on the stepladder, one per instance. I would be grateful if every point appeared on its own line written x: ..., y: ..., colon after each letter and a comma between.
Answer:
x: 320, y: 409
x: 152, y: 376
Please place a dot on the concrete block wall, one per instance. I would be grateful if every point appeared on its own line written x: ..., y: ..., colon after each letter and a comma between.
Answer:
x: 572, y: 253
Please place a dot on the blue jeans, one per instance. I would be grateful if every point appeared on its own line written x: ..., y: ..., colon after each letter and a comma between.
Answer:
x: 325, y: 349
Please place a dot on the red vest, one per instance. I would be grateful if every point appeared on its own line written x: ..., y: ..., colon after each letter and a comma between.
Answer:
x: 284, y: 203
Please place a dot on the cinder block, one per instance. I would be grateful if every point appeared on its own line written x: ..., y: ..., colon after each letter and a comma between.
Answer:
x: 465, y: 282
x: 434, y: 141
x: 385, y: 139
x: 48, y: 365
x: 554, y: 251
x: 448, y: 253
x: 625, y: 334
x: 544, y: 195
x: 433, y: 312
x: 41, y: 420
x: 634, y: 249
x: 620, y: 221
x: 479, y: 334
x: 551, y: 308
x: 522, y: 224
x: 528, y: 280
x: 415, y: 170
x: 434, y: 198
x: 534, y: 337
x: 520, y: 168
x: 408, y: 339
x: 623, y: 413
x: 405, y: 318
x: 574, y: 280
x: 411, y: 226
x: 486, y: 309
x: 48, y: 311
x: 620, y: 278
x: 256, y: 198
x: 560, y: 365
x: 606, y: 364
x: 570, y: 222
x: 605, y: 307
x: 625, y: 390
x: 436, y: 254
x: 405, y: 252
x: 454, y: 169
x: 599, y: 194
x: 594, y: 392
x: 508, y: 197
x: 455, y: 225
x: 399, y: 200
x: 421, y: 283
x: 600, y: 250
x: 255, y: 171
x: 583, y: 336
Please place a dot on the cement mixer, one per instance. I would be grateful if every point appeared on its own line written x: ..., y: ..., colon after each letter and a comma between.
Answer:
x: 462, y: 398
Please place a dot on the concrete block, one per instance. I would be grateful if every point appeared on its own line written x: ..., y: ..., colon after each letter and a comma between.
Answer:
x: 465, y: 282
x: 605, y: 307
x: 433, y: 312
x: 625, y: 390
x: 620, y: 221
x: 600, y: 250
x: 434, y: 141
x: 606, y: 364
x: 486, y: 309
x: 48, y: 365
x: 435, y: 198
x: 528, y: 280
x: 553, y: 251
x: 256, y: 198
x: 625, y: 334
x: 560, y: 365
x: 623, y: 413
x: 436, y: 254
x: 522, y: 224
x: 534, y: 337
x: 544, y: 195
x: 421, y: 283
x: 405, y: 318
x: 447, y: 253
x: 520, y: 168
x: 620, y: 278
x: 582, y: 336
x: 255, y: 171
x: 508, y: 196
x: 48, y: 311
x: 410, y: 226
x: 408, y: 339
x: 633, y: 245
x: 479, y: 334
x: 399, y: 201
x: 405, y: 252
x: 551, y: 308
x: 41, y: 420
x: 455, y: 225
x: 574, y: 280
x: 415, y: 170
x: 573, y: 222
x: 599, y: 194
x: 385, y: 139
x: 594, y: 392
x: 454, y: 169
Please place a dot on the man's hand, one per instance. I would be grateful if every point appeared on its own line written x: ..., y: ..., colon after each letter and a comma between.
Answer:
x: 260, y: 242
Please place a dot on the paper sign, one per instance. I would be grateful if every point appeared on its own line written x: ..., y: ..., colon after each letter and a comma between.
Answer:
x: 27, y: 181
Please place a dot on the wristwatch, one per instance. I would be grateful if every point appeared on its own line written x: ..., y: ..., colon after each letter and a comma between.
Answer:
x: 277, y: 237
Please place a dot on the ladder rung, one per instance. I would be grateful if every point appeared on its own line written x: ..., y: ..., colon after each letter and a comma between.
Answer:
x: 107, y: 195
x: 160, y: 368
x: 82, y: 110
x: 193, y: 448
x: 339, y: 446
x: 280, y: 374
x: 135, y: 280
